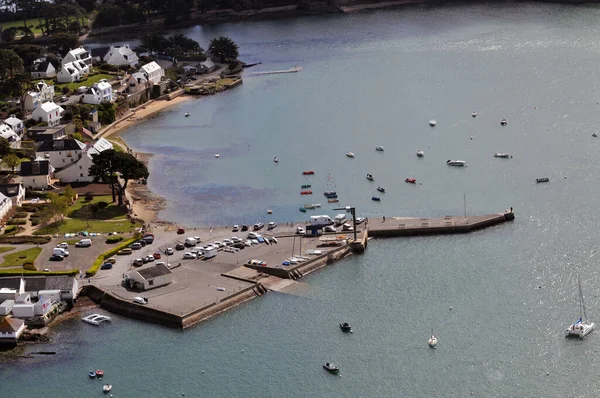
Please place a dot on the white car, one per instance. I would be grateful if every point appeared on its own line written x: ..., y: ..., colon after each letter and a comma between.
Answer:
x: 209, y: 247
x: 360, y: 220
x: 169, y: 251
x: 347, y: 227
x: 197, y: 239
x: 271, y: 225
x: 300, y: 231
x: 217, y: 244
x: 227, y: 242
x: 248, y: 243
x: 254, y: 241
x: 140, y: 300
x: 329, y: 228
x: 63, y: 245
x: 252, y: 235
x: 235, y: 239
x: 236, y: 228
x: 189, y: 256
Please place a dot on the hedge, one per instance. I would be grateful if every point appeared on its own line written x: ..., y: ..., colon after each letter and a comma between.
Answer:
x: 100, y: 260
x: 18, y: 271
x: 20, y: 214
x: 114, y: 239
x: 11, y: 229
x: 18, y: 221
x: 16, y: 240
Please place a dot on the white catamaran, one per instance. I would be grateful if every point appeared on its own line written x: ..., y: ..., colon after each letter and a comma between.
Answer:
x: 582, y: 327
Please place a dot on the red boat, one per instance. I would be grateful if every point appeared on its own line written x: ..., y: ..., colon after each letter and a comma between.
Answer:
x: 99, y: 373
x: 309, y: 192
x: 411, y: 180
x: 308, y: 172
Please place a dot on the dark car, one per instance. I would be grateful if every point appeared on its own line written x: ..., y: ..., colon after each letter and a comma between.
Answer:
x: 244, y: 227
x: 180, y: 231
x: 149, y: 239
x: 179, y: 246
x: 239, y: 245
x: 142, y: 242
x: 106, y: 266
x: 56, y: 258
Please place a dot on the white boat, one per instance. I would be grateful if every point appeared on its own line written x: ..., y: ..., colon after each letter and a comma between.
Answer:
x: 474, y: 114
x: 582, y: 327
x: 187, y: 114
x: 96, y: 319
x: 217, y: 155
x: 107, y: 387
x: 379, y: 148
x: 502, y: 155
x: 420, y: 153
x: 275, y: 159
x: 503, y: 122
x: 350, y: 154
x: 432, y: 123
x: 432, y: 341
x: 370, y: 177
x: 460, y: 163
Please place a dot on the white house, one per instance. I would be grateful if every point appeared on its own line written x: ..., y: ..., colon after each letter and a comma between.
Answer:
x: 153, y: 72
x: 42, y: 93
x: 11, y: 329
x: 24, y: 310
x: 15, y: 192
x: 36, y: 174
x: 66, y: 285
x: 68, y: 73
x: 12, y: 137
x: 99, y: 92
x: 151, y: 277
x: 48, y: 112
x: 43, y: 69
x: 5, y: 205
x: 79, y: 54
x: 15, y: 124
x: 121, y: 56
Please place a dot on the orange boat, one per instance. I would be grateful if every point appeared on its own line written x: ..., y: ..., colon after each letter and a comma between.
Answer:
x: 309, y: 192
x: 411, y: 180
x: 308, y: 172
x: 333, y: 200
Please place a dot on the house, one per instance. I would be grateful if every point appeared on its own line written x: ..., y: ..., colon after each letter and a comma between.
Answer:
x: 98, y: 93
x: 8, y: 294
x: 15, y: 124
x: 43, y: 69
x: 11, y: 329
x: 190, y: 69
x: 79, y: 171
x: 48, y: 112
x: 151, y: 277
x: 43, y: 93
x: 135, y: 83
x: 98, y: 54
x: 208, y: 66
x: 23, y: 310
x: 6, y: 307
x: 69, y: 73
x: 153, y: 72
x: 15, y: 192
x: 12, y: 137
x: 5, y: 206
x: 79, y: 54
x: 39, y: 134
x: 121, y: 56
x: 36, y: 174
x: 67, y: 285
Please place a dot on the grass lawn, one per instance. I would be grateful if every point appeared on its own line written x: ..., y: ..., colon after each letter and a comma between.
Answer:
x: 31, y: 23
x: 19, y: 258
x: 112, y: 212
x: 71, y: 225
x: 6, y: 248
x: 88, y: 82
x: 117, y: 144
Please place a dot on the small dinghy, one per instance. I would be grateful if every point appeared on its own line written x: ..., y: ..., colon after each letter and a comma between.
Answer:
x: 381, y: 189
x: 432, y: 123
x: 370, y: 177
x: 331, y: 368
x: 543, y: 179
x: 420, y: 153
x: 107, y: 387
x: 474, y: 114
x: 306, y: 186
x: 503, y: 155
x: 459, y: 163
x: 376, y: 198
x: 308, y: 172
x: 595, y: 135
x: 92, y: 374
x: 307, y: 192
x: 275, y: 159
x: 503, y: 122
x: 350, y: 154
x: 269, y: 211
x: 99, y: 373
x: 187, y: 114
x: 217, y: 155
x: 333, y: 200
x: 345, y: 326
x: 302, y: 209
x: 330, y: 194
x: 411, y: 180
x: 433, y: 341
x: 379, y: 148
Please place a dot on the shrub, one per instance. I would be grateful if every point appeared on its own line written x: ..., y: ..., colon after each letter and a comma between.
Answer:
x: 17, y: 222
x: 10, y: 230
x: 29, y: 267
x: 35, y: 221
x: 20, y: 214
x: 114, y: 239
x: 16, y: 240
x: 89, y: 197
x: 94, y: 268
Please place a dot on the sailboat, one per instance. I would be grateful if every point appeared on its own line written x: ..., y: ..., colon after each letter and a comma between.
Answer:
x: 432, y: 340
x: 582, y: 327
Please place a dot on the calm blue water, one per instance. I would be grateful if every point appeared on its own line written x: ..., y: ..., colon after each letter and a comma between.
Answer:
x: 376, y: 79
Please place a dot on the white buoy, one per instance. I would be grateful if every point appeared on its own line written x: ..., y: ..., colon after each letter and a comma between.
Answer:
x: 450, y: 308
x: 471, y: 137
x: 420, y: 182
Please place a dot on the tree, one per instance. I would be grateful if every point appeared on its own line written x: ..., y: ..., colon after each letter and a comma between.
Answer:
x: 181, y: 44
x: 10, y: 64
x: 63, y: 42
x: 56, y: 208
x: 5, y: 148
x: 29, y: 52
x: 70, y: 194
x: 155, y: 43
x: 223, y: 48
x: 117, y: 169
x: 17, y: 86
x: 11, y: 161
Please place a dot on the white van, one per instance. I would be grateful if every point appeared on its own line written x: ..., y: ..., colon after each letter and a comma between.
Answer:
x: 340, y: 219
x: 84, y: 243
x: 59, y: 251
x: 323, y: 220
x: 190, y: 242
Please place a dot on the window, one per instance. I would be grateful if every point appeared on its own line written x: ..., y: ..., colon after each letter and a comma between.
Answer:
x: 69, y: 154
x: 80, y: 167
x: 81, y: 175
x: 150, y: 283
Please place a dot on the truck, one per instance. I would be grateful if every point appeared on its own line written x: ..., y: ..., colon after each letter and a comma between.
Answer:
x: 210, y: 252
x: 322, y: 220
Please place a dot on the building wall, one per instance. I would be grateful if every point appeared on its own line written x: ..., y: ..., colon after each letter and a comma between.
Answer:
x: 52, y: 295
x: 13, y: 335
x: 61, y: 158
x: 35, y: 182
x: 78, y: 172
x: 5, y: 207
x: 64, y: 76
x: 23, y: 310
x: 7, y: 307
x: 42, y: 307
x: 158, y: 281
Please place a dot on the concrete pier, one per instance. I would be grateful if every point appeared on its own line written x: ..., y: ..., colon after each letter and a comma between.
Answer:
x: 405, y: 226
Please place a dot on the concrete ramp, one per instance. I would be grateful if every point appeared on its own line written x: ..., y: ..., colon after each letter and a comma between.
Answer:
x: 287, y: 286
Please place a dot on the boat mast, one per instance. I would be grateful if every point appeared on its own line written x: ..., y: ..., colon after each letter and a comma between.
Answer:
x: 581, y: 303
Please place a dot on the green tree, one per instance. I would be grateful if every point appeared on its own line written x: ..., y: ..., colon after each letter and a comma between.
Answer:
x: 69, y: 193
x: 11, y: 161
x: 17, y: 86
x: 155, y: 43
x: 56, y: 208
x: 180, y: 44
x: 63, y: 42
x: 28, y: 52
x: 117, y: 169
x: 10, y: 64
x: 223, y: 48
x: 5, y: 148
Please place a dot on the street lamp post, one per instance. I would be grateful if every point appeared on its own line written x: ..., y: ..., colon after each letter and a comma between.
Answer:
x: 351, y: 210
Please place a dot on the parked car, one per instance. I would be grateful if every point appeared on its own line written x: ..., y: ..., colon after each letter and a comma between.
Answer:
x: 217, y: 244
x: 125, y: 251
x: 197, y: 239
x: 179, y: 246
x: 189, y: 256
x: 244, y: 228
x: 347, y: 227
x: 148, y: 259
x: 140, y: 300
x: 235, y: 239
x: 56, y: 257
x: 84, y: 243
x: 63, y: 245
x: 254, y: 241
x: 46, y: 269
x: 180, y: 231
x: 300, y: 231
x: 106, y: 266
x: 64, y: 98
x: 227, y: 242
x: 142, y: 242
x: 329, y: 228
x: 138, y: 261
x: 236, y: 228
x: 169, y: 251
x: 149, y: 239
x: 136, y: 246
x: 260, y: 239
x: 156, y: 255
x: 111, y: 260
x: 271, y: 225
x: 273, y: 239
x: 258, y: 226
x: 239, y: 245
x: 248, y: 242
x: 360, y: 220
x: 252, y: 235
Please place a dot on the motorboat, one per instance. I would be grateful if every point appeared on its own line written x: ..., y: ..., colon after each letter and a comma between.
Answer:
x: 411, y: 180
x: 376, y: 198
x: 460, y: 163
x: 379, y: 148
x: 381, y: 189
x: 269, y: 211
x: 308, y: 172
x: 595, y: 135
x: 92, y: 374
x: 350, y: 154
x: 432, y: 123
x: 543, y: 179
x: 107, y: 387
x: 99, y: 373
x: 217, y: 155
x: 334, y: 200
x: 306, y: 186
x: 345, y: 326
x: 503, y: 155
x: 309, y: 207
x: 330, y: 194
x: 275, y: 159
x: 474, y: 114
x: 187, y: 114
x: 582, y: 327
x: 96, y: 319
x: 331, y: 368
x: 503, y: 122
x: 432, y: 341
x: 302, y: 209
x: 370, y: 177
x: 307, y: 192
x: 420, y: 153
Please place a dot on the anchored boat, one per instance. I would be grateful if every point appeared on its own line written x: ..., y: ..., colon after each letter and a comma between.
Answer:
x: 376, y: 198
x: 308, y: 172
x: 582, y: 327
x: 459, y: 163
x: 543, y: 179
x: 420, y: 153
x: 350, y: 154
x: 96, y: 319
x: 370, y: 177
x: 379, y: 148
x: 432, y: 123
x: 331, y: 368
x: 381, y: 189
x: 411, y: 180
x: 307, y: 192
x: 345, y: 326
x: 502, y: 155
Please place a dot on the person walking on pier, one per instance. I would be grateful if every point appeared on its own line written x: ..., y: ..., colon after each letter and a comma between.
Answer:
x: 383, y: 219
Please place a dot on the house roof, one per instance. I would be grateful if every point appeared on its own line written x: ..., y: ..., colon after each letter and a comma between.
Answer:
x: 8, y: 133
x: 10, y: 190
x: 51, y: 107
x: 40, y: 66
x: 7, y: 303
x: 208, y: 63
x: 69, y: 144
x: 100, y: 51
x: 10, y: 325
x: 36, y: 168
x: 13, y: 121
x: 59, y: 283
x: 35, y: 283
x: 78, y: 52
x: 151, y: 67
x: 140, y: 77
x: 10, y: 282
x: 154, y: 271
